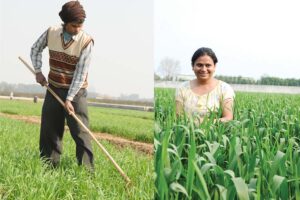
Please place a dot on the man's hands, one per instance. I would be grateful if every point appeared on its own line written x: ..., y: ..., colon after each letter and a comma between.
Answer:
x: 40, y: 78
x: 69, y: 107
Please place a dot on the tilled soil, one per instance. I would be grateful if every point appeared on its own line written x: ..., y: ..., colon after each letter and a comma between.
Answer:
x: 119, y: 141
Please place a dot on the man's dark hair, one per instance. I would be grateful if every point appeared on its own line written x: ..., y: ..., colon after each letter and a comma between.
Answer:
x: 72, y: 11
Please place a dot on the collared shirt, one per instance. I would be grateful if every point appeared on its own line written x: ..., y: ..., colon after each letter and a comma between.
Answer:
x: 81, y: 67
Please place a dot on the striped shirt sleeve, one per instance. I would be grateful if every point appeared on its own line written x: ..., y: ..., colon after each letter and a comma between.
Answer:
x: 36, y: 52
x: 81, y: 72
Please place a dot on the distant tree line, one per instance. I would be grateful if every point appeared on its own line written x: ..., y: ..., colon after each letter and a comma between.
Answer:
x: 264, y: 80
x: 31, y: 90
x: 169, y: 69
x: 24, y: 90
x: 237, y: 79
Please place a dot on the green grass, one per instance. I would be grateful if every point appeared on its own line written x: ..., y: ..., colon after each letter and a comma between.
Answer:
x: 19, y: 107
x: 23, y: 176
x: 134, y: 125
x: 255, y: 156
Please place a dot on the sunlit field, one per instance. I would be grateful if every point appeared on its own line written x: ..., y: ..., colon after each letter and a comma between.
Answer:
x: 24, y: 176
x: 130, y: 124
x: 255, y: 156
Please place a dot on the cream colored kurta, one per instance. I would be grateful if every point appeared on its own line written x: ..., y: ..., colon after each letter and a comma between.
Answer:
x: 196, y: 105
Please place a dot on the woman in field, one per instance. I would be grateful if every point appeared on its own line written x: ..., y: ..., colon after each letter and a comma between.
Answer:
x: 205, y: 94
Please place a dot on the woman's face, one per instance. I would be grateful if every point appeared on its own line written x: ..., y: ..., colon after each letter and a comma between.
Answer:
x: 204, y: 68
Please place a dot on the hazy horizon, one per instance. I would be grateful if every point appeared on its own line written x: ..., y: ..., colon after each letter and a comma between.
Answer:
x: 250, y: 39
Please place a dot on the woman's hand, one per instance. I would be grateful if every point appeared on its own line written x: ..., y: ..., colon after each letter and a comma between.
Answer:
x: 227, y: 114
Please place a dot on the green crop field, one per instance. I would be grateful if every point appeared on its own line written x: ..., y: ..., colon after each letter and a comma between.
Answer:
x: 134, y: 125
x: 255, y: 156
x: 23, y: 176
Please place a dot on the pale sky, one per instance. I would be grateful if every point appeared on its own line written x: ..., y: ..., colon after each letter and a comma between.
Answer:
x: 122, y: 60
x: 250, y: 38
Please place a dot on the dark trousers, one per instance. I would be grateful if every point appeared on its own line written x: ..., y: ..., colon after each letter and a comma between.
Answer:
x: 52, y: 128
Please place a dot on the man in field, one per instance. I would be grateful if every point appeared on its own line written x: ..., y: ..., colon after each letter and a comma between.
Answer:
x: 69, y: 58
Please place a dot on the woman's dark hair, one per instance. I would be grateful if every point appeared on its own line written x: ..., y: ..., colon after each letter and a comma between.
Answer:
x: 202, y: 52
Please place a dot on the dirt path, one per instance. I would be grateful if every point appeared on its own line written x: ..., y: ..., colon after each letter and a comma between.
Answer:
x: 119, y: 141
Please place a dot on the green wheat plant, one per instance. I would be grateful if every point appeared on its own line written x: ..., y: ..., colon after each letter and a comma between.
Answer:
x: 24, y: 176
x: 255, y: 156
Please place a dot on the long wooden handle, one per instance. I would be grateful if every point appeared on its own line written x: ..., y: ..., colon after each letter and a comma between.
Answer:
x: 83, y: 126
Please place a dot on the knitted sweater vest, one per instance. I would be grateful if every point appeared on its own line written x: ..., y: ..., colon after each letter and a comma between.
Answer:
x: 63, y: 58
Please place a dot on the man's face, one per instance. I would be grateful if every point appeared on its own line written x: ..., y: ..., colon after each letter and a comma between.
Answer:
x: 73, y: 28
